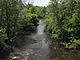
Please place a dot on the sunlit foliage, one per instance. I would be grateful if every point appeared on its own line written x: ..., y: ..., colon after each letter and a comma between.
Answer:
x: 63, y: 21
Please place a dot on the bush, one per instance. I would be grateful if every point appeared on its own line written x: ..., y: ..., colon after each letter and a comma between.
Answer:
x: 27, y: 21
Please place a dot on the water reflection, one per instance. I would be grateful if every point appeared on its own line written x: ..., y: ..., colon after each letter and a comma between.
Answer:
x: 40, y: 27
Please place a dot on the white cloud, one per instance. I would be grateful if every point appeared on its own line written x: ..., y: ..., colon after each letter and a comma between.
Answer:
x: 38, y: 2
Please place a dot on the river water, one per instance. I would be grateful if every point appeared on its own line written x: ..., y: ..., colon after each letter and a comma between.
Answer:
x: 39, y: 46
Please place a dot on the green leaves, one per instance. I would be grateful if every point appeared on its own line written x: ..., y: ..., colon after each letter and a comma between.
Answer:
x: 27, y: 20
x: 9, y: 10
x: 3, y: 37
x: 13, y: 19
x: 65, y: 22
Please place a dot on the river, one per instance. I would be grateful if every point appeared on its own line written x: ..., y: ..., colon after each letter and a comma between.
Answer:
x: 39, y: 46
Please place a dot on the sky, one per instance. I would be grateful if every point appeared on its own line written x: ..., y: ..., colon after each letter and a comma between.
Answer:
x: 38, y: 2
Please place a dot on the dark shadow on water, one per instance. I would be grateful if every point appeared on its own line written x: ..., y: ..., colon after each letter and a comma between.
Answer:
x: 23, y: 41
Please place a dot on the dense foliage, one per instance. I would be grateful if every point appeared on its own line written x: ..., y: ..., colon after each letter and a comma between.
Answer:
x: 63, y: 22
x: 14, y: 16
x: 40, y: 11
x: 27, y: 20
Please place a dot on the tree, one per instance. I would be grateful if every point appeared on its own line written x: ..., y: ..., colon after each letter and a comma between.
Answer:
x: 63, y: 21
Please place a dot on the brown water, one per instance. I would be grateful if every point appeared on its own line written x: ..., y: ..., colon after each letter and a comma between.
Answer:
x: 39, y: 46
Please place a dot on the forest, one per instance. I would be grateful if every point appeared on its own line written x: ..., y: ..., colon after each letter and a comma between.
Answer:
x: 62, y: 22
x: 14, y: 17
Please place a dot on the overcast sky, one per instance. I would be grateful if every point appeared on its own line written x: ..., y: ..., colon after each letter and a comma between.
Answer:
x: 38, y: 2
